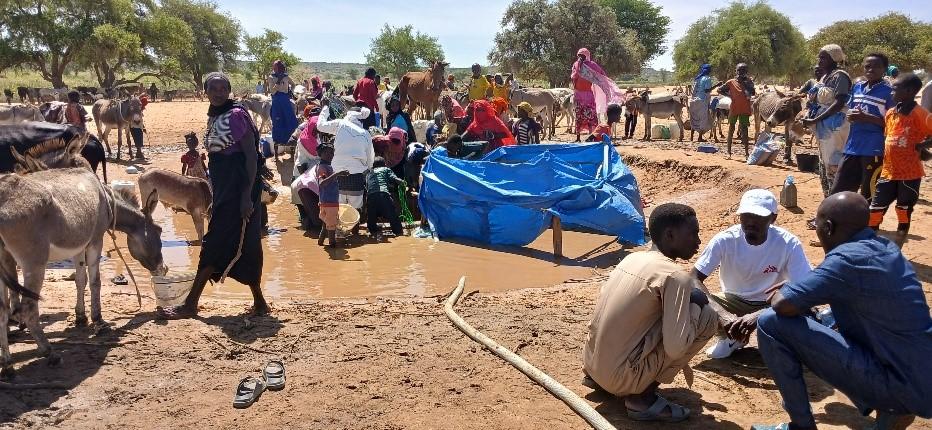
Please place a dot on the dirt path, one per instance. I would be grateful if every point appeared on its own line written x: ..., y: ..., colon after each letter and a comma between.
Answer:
x: 395, y: 362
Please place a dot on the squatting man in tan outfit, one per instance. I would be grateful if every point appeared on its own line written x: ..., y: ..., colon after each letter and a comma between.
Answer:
x: 650, y: 320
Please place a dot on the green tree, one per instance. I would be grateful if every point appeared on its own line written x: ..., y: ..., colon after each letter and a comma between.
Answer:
x: 264, y: 49
x: 753, y: 33
x: 645, y: 19
x: 140, y: 38
x: 47, y: 36
x: 907, y: 43
x: 353, y: 74
x: 539, y: 39
x: 216, y: 37
x: 398, y: 50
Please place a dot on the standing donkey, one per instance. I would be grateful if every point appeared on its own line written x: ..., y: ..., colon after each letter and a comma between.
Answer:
x: 56, y: 214
x: 116, y: 113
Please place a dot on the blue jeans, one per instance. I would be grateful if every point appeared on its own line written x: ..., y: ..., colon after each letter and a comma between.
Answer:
x: 788, y: 343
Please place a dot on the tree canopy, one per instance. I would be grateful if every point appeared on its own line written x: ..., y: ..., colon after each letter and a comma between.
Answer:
x: 398, y: 50
x: 645, y: 19
x: 264, y: 49
x: 216, y: 35
x: 540, y: 39
x: 907, y: 43
x: 753, y: 33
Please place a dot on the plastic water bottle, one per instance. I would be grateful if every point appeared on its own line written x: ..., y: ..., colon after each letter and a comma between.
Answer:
x: 788, y: 193
x: 826, y: 318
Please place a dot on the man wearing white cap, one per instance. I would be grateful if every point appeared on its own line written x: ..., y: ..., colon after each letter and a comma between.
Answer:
x: 753, y: 256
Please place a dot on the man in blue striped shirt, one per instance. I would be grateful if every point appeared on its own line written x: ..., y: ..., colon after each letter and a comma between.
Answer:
x: 870, y: 100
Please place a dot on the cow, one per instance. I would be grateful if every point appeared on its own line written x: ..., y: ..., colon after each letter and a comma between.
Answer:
x: 661, y: 107
x: 423, y: 88
x: 775, y: 108
x: 15, y: 114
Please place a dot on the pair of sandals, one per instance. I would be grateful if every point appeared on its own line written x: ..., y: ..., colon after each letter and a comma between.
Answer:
x: 654, y: 412
x: 251, y: 388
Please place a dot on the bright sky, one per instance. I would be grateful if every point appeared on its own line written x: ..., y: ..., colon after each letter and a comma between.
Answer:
x: 341, y: 31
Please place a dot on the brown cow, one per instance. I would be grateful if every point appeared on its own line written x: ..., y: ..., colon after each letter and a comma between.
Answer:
x: 423, y: 88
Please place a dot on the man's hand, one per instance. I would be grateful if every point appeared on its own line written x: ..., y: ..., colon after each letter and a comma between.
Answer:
x: 741, y: 328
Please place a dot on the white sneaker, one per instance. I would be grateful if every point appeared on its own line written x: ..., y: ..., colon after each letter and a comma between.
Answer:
x: 724, y: 347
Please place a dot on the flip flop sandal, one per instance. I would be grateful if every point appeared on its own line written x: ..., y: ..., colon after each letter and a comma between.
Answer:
x: 120, y: 280
x: 811, y: 224
x: 781, y: 426
x: 274, y: 374
x: 677, y: 412
x: 247, y: 392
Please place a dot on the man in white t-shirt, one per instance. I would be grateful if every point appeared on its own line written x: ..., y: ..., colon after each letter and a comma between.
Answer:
x: 754, y: 256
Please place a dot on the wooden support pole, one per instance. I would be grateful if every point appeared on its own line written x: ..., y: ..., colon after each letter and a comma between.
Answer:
x: 557, y: 227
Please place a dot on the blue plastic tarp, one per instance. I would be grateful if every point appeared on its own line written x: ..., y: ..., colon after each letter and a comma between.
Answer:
x: 510, y: 195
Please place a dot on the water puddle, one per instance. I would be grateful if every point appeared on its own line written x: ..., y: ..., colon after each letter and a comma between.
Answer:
x: 296, y: 267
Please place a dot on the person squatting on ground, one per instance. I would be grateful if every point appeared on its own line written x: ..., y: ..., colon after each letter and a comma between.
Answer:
x: 649, y: 321
x: 753, y: 256
x: 488, y: 127
x: 526, y: 130
x: 879, y: 357
x: 863, y: 155
x: 831, y: 124
x: 908, y: 126
x: 380, y: 203
x: 232, y: 142
x: 740, y: 89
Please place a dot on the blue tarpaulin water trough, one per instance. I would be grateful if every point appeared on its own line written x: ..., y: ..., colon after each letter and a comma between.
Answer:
x: 510, y: 196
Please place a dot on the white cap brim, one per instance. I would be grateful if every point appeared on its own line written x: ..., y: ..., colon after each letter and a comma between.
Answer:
x: 754, y: 210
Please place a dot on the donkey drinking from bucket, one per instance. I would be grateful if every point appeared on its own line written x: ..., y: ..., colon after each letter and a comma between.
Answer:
x: 59, y: 214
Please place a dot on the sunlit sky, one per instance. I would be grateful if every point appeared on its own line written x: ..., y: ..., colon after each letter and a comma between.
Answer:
x: 341, y: 30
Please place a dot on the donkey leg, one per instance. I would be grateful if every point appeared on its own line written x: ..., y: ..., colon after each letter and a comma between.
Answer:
x: 6, y: 360
x: 92, y: 254
x: 198, y: 219
x: 80, y: 283
x: 33, y: 276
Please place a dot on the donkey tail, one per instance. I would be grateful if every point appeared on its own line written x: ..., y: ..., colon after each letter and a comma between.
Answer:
x: 11, y: 280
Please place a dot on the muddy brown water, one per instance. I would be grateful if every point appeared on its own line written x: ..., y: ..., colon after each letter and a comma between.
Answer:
x: 296, y: 267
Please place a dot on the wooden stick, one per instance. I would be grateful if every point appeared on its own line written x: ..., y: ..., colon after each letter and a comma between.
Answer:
x: 557, y: 227
x: 36, y: 386
x: 214, y: 340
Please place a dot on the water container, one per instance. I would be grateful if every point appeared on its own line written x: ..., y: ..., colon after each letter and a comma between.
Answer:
x: 172, y: 290
x: 788, y: 193
x: 123, y: 185
x: 674, y: 131
x: 656, y: 131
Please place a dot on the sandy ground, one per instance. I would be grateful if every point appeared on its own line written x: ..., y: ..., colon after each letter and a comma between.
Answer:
x: 392, y: 360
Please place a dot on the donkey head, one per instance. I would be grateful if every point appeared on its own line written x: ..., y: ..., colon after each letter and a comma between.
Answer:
x: 52, y: 154
x: 143, y: 235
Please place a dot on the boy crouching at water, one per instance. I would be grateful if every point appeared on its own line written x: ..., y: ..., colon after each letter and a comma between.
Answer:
x: 380, y: 202
x: 329, y: 195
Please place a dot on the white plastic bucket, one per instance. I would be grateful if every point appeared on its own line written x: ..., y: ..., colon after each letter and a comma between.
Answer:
x: 348, y: 216
x: 123, y: 185
x: 172, y: 290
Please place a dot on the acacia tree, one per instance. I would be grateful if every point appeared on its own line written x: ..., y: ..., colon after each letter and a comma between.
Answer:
x: 47, y: 35
x: 142, y: 38
x: 264, y: 49
x: 907, y: 43
x: 216, y: 37
x: 646, y: 20
x: 539, y: 39
x: 398, y: 50
x: 755, y: 34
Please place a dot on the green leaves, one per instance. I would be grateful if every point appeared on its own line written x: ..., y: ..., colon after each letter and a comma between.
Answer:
x: 398, y: 50
x: 646, y: 21
x: 754, y: 33
x: 907, y: 43
x: 264, y: 49
x: 540, y: 39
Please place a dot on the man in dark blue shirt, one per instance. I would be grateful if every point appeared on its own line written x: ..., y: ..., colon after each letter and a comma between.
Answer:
x: 870, y: 100
x: 881, y: 356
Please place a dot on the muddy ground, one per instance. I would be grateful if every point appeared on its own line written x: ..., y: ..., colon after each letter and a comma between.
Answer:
x: 386, y: 357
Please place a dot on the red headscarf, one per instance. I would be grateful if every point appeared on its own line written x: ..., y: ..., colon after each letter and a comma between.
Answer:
x: 484, y: 119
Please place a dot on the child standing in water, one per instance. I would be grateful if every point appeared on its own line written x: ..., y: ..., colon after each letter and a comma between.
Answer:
x: 192, y: 162
x: 329, y: 195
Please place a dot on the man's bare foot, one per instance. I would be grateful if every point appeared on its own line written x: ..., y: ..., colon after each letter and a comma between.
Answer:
x: 175, y: 313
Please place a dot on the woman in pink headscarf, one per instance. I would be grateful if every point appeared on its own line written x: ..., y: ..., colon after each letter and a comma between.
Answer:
x: 392, y: 147
x: 594, y: 91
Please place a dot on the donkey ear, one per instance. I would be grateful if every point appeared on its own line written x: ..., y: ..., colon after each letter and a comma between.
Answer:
x: 151, y: 200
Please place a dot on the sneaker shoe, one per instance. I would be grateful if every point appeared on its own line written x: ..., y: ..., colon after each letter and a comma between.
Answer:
x: 724, y: 347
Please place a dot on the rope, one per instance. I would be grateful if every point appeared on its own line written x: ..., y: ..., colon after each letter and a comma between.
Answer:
x: 239, y: 251
x: 577, y: 404
x: 406, y: 216
x: 116, y: 247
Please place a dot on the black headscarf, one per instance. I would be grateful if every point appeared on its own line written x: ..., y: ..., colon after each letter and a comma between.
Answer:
x: 226, y: 106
